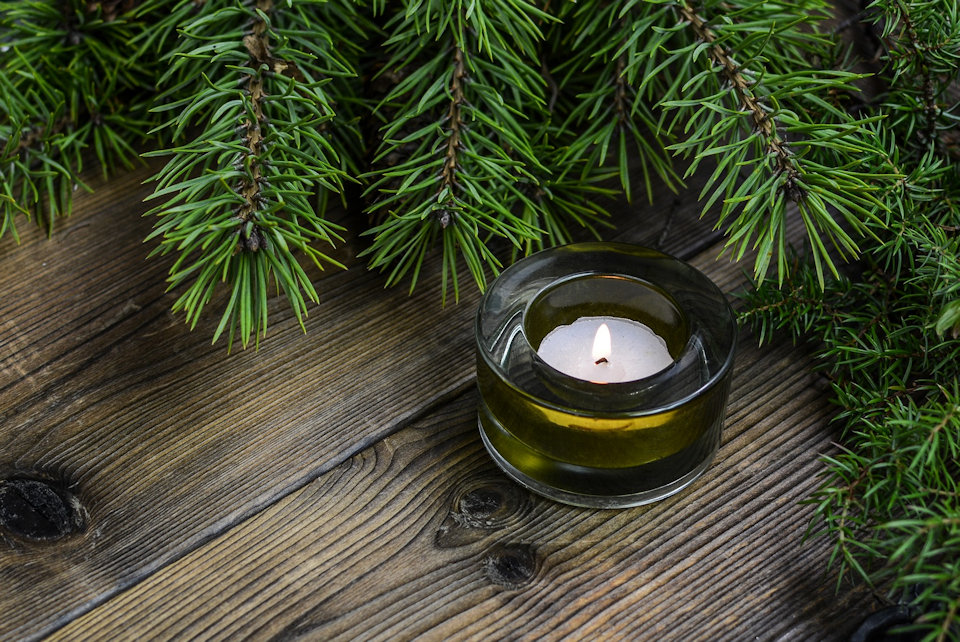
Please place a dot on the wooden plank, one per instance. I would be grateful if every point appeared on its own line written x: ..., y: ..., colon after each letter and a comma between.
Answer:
x: 165, y: 441
x: 421, y: 535
x: 358, y: 553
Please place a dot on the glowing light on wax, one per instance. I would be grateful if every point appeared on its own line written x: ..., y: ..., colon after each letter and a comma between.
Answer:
x: 605, y: 350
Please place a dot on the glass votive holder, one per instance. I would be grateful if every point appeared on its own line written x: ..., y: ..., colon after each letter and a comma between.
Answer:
x: 570, y: 437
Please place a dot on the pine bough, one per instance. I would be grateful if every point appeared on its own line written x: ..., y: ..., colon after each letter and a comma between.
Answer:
x: 491, y: 128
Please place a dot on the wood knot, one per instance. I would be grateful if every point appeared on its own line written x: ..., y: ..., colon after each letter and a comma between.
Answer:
x: 39, y: 510
x: 511, y: 565
x: 479, y: 508
x: 480, y: 503
x: 488, y: 504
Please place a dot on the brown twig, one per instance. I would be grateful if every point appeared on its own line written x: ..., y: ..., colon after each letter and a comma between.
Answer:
x: 455, y: 123
x: 915, y: 48
x: 257, y: 43
x: 110, y: 8
x: 551, y: 85
x: 38, y: 133
x: 620, y: 96
x: 761, y: 120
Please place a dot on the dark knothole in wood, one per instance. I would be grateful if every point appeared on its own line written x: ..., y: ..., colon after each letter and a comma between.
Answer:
x: 488, y: 504
x: 481, y: 502
x: 480, y: 506
x: 511, y: 565
x: 39, y: 510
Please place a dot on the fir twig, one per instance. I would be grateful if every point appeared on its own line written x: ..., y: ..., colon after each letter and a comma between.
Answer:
x: 829, y: 165
x: 240, y: 197
x: 459, y: 136
x: 71, y: 80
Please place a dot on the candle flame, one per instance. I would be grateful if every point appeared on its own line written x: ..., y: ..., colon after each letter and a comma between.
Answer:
x: 601, y: 344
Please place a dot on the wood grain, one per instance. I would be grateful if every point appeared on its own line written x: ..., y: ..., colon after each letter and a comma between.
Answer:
x: 165, y: 440
x: 420, y: 535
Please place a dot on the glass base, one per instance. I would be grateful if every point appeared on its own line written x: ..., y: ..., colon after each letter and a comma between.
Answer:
x: 628, y: 500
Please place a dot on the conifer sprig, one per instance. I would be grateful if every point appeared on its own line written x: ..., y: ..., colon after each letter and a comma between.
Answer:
x: 609, y: 90
x: 890, y: 498
x: 887, y: 337
x: 247, y: 193
x: 738, y: 84
x: 71, y: 80
x: 781, y: 142
x: 459, y: 141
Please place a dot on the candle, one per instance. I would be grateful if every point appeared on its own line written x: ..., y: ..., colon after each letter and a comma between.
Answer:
x: 603, y: 372
x: 605, y: 350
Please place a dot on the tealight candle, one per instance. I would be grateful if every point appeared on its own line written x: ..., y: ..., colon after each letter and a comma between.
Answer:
x: 605, y: 350
x: 603, y: 372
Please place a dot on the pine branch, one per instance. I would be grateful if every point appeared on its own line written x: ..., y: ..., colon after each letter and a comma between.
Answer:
x: 885, y: 340
x: 459, y: 143
x: 920, y: 51
x: 241, y: 197
x: 830, y: 165
x: 889, y: 499
x: 71, y: 81
x: 761, y: 120
x: 610, y: 121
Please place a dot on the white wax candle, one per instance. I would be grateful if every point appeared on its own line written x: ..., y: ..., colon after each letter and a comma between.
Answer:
x: 605, y: 350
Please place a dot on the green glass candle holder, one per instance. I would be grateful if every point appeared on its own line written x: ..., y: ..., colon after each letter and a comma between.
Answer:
x: 606, y: 445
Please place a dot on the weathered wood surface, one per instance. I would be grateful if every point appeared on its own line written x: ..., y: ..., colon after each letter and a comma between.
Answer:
x: 286, y: 492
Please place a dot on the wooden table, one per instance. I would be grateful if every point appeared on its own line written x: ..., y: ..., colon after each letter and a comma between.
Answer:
x: 333, y: 483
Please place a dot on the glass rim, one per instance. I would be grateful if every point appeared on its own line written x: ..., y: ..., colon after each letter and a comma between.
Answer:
x: 714, y: 379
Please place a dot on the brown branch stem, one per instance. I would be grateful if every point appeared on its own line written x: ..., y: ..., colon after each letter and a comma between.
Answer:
x: 948, y: 621
x: 39, y: 133
x: 620, y: 96
x: 762, y: 121
x: 930, y: 108
x: 111, y: 8
x: 257, y: 43
x: 448, y: 173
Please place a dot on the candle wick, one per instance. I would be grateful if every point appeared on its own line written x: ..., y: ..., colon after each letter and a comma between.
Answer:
x: 600, y: 360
